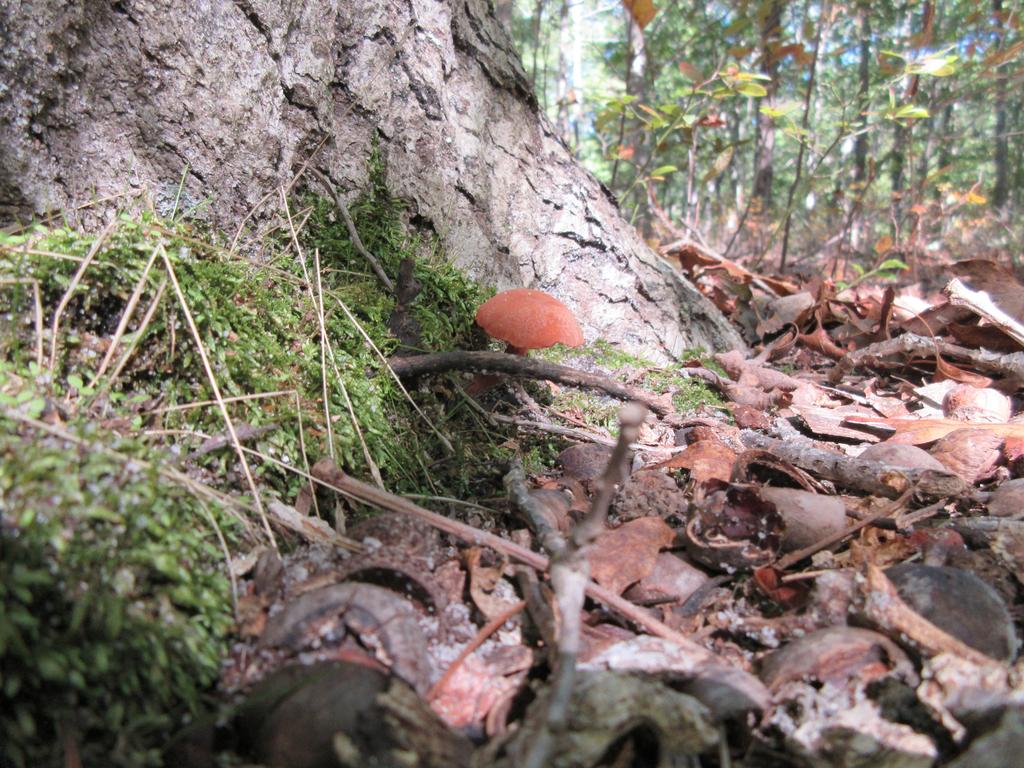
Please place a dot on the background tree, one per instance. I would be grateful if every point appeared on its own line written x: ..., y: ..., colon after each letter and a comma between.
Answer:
x: 911, y: 118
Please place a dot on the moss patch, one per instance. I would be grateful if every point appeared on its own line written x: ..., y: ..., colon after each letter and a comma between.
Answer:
x: 115, y: 604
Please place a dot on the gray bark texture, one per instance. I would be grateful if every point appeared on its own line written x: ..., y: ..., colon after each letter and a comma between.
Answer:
x: 99, y: 99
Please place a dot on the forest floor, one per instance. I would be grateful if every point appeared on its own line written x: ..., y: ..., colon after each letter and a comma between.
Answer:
x: 219, y: 494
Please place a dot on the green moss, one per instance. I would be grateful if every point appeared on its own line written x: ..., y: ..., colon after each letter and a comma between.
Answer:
x: 688, y: 394
x: 114, y: 604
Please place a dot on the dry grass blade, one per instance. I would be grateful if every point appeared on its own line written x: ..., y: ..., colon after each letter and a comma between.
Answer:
x: 257, y: 396
x: 126, y: 317
x: 318, y: 305
x: 374, y: 470
x: 227, y: 554
x: 326, y: 350
x: 147, y: 317
x: 37, y: 310
x: 66, y: 298
x: 216, y: 393
x: 366, y: 337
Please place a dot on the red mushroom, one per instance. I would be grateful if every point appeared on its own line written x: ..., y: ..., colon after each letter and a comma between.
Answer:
x: 527, y: 319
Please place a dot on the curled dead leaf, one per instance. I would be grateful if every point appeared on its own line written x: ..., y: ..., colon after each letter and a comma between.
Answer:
x: 970, y: 453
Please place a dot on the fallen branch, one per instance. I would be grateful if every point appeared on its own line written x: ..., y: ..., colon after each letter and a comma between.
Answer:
x: 872, y: 477
x: 570, y: 573
x: 516, y: 365
x: 1011, y: 366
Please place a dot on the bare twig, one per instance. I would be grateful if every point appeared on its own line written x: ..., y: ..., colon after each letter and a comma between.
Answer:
x: 126, y: 317
x: 38, y: 310
x: 554, y: 429
x: 353, y: 233
x: 66, y: 298
x: 884, y: 608
x: 516, y: 365
x: 570, y: 572
x: 890, y: 510
x: 908, y: 344
x: 485, y: 631
x: 872, y: 477
x: 330, y: 476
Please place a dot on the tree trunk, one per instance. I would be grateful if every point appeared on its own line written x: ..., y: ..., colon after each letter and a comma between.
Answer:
x: 860, y: 147
x: 764, y: 157
x: 100, y: 98
x: 1001, y: 158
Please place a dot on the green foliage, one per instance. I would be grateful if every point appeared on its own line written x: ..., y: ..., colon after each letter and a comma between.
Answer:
x: 114, y: 606
x: 911, y: 106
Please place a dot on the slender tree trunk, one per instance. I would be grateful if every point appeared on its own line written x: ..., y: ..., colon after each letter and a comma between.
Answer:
x: 1001, y: 157
x: 820, y: 37
x: 764, y: 157
x: 860, y: 146
x: 564, y: 74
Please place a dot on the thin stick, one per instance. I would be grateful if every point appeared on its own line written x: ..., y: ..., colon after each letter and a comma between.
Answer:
x: 570, y: 572
x: 353, y: 233
x: 137, y: 336
x: 486, y: 631
x: 204, y: 403
x: 66, y: 298
x: 259, y: 396
x: 216, y: 393
x: 795, y: 557
x: 517, y: 365
x: 444, y: 440
x: 126, y: 317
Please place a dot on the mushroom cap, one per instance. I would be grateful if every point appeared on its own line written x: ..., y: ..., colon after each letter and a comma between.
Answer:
x: 529, y: 319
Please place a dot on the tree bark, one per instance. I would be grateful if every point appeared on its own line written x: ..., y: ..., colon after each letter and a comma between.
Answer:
x: 98, y: 99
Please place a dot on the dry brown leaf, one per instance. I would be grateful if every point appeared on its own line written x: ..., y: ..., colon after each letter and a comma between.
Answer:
x: 483, y: 580
x: 946, y: 370
x: 970, y: 453
x: 995, y: 279
x: 820, y: 341
x: 919, y: 431
x: 828, y: 421
x: 706, y: 459
x: 626, y: 554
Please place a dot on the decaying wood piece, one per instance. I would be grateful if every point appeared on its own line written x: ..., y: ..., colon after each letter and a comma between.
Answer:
x: 859, y: 474
x: 1010, y: 366
x: 886, y: 610
x: 517, y: 365
x: 982, y: 305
